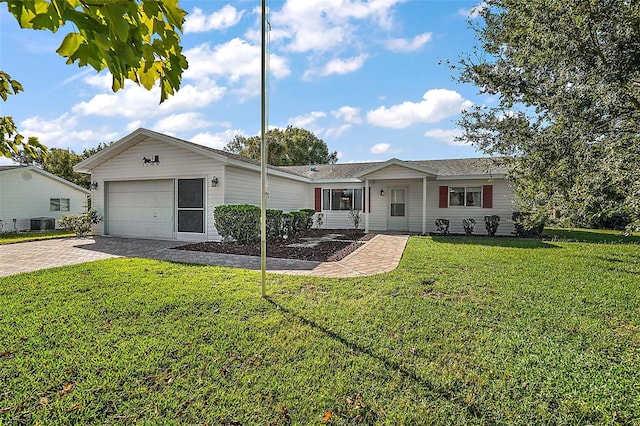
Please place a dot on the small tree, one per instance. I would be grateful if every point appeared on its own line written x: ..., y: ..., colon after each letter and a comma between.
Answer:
x: 355, y: 217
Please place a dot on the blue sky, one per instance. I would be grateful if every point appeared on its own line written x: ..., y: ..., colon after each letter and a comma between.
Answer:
x: 364, y: 76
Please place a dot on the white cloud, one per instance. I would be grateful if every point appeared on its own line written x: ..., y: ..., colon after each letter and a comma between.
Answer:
x: 338, y: 66
x: 135, y: 102
x: 61, y: 132
x: 216, y: 140
x: 306, y: 121
x: 348, y: 114
x: 181, y: 122
x: 237, y: 62
x: 337, y: 131
x: 134, y: 125
x: 380, y: 148
x: 447, y: 136
x: 474, y: 12
x: 404, y: 45
x: 437, y: 104
x: 322, y: 25
x: 197, y: 22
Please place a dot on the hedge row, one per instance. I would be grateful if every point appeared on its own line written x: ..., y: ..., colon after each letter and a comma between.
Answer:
x: 241, y: 222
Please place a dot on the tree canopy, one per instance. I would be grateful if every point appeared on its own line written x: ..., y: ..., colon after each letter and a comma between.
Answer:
x: 566, y: 76
x: 289, y: 147
x: 60, y: 162
x: 135, y: 40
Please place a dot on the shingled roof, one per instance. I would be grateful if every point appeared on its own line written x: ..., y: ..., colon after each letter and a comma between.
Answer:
x: 451, y: 168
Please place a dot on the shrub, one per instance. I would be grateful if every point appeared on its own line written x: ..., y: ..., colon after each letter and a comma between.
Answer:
x: 527, y: 225
x: 310, y: 213
x: 274, y: 224
x: 238, y: 222
x: 617, y: 220
x: 442, y: 226
x: 468, y: 225
x: 287, y: 224
x: 355, y: 217
x: 81, y: 224
x: 491, y: 223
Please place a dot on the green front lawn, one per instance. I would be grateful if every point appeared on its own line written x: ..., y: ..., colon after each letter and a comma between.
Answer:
x: 465, y: 331
x: 20, y: 237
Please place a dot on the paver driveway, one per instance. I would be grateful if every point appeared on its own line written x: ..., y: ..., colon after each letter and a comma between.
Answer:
x: 380, y: 254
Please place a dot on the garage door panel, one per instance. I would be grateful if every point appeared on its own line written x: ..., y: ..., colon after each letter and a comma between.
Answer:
x: 140, y: 214
x: 143, y: 209
x: 148, y: 200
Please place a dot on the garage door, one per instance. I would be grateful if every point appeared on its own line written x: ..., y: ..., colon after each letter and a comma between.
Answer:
x: 141, y: 209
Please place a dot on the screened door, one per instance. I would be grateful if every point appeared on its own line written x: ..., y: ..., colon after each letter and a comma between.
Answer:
x: 190, y: 208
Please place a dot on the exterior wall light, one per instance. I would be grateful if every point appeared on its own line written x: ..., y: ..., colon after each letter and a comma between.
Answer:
x: 382, y: 192
x: 214, y: 182
x: 93, y: 185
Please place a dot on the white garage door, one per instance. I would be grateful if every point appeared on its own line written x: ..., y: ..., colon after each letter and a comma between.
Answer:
x: 142, y: 209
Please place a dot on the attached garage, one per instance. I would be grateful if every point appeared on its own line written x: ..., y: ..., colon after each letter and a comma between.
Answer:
x: 140, y: 208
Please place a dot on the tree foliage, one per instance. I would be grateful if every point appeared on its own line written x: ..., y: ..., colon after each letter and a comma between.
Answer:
x: 60, y: 162
x: 135, y: 40
x: 289, y: 147
x: 567, y: 80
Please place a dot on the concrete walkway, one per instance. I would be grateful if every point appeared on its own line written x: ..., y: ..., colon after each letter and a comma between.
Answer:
x: 380, y: 254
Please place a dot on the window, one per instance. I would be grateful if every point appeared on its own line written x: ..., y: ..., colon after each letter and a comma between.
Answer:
x: 460, y: 196
x: 397, y: 202
x: 342, y: 199
x: 59, y: 204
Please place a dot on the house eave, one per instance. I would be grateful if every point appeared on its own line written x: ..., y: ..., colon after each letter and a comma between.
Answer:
x: 471, y: 177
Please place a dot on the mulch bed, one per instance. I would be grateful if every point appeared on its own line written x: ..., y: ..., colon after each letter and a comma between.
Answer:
x: 328, y: 251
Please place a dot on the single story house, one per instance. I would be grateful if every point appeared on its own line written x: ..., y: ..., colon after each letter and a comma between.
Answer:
x: 31, y: 198
x: 151, y: 185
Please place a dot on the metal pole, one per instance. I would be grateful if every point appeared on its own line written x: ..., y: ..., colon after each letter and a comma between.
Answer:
x: 263, y: 156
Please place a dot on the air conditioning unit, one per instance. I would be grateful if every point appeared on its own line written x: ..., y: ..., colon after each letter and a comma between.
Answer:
x: 43, y: 223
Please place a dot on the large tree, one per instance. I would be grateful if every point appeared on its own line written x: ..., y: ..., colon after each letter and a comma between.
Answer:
x: 135, y: 40
x: 289, y: 147
x: 566, y: 75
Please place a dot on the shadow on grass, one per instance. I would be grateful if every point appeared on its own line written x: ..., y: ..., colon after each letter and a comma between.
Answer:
x: 511, y: 242
x: 473, y: 409
x: 592, y: 236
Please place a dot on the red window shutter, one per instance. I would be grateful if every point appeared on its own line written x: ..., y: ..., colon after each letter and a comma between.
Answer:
x: 444, y: 197
x: 487, y: 196
x: 318, y: 199
x: 364, y: 200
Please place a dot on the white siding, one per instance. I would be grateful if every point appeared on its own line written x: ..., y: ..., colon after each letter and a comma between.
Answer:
x: 243, y: 187
x: 502, y: 206
x: 174, y: 163
x: 23, y: 197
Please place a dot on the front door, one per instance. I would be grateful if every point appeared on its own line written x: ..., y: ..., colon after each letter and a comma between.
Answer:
x: 398, y: 218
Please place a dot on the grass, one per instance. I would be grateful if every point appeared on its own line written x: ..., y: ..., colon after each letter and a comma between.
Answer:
x: 20, y: 237
x: 465, y: 331
x: 593, y: 235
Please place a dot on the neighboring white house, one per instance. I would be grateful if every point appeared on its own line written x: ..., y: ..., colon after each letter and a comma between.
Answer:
x: 151, y: 185
x: 27, y: 192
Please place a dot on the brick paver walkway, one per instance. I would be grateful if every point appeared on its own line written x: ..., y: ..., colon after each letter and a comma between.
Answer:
x: 380, y: 254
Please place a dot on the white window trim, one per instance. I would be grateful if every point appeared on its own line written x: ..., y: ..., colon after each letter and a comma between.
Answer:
x: 465, y: 197
x: 353, y: 197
